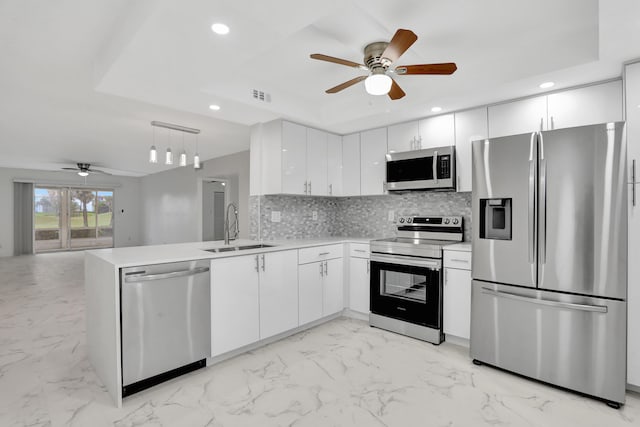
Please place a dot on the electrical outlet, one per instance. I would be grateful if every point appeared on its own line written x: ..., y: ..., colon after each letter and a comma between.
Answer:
x: 314, y: 215
x: 392, y: 216
x: 275, y: 216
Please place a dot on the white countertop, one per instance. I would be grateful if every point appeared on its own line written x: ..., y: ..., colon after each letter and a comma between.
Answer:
x: 160, y: 254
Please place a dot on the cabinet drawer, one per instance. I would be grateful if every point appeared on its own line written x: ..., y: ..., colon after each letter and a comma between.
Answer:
x: 320, y: 253
x: 360, y: 250
x: 457, y: 259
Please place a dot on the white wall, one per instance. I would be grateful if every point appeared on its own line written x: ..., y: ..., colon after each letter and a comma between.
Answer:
x: 172, y: 200
x: 126, y: 197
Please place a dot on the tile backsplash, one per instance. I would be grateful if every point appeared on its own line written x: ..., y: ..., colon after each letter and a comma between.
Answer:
x: 361, y: 216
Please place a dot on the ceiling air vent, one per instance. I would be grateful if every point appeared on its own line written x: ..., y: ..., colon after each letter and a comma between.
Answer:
x: 260, y: 95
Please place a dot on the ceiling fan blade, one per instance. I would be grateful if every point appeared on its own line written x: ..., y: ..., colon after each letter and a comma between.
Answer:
x: 70, y: 169
x: 445, y: 68
x: 396, y: 92
x: 346, y: 84
x: 401, y: 41
x: 346, y: 62
x: 99, y: 171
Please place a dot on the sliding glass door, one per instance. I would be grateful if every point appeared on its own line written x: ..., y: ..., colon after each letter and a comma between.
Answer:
x: 72, y: 218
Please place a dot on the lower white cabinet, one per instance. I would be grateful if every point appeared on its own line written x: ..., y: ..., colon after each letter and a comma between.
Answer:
x: 235, y: 303
x: 252, y: 297
x: 359, y: 273
x: 320, y: 289
x: 456, y: 299
x: 278, y: 292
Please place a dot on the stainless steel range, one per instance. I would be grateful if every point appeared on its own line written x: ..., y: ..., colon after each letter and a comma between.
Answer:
x: 406, y: 279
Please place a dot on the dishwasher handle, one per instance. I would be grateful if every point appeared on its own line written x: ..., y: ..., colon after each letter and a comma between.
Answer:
x: 162, y: 276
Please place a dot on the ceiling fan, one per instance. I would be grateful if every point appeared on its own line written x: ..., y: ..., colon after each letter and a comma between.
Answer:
x: 378, y: 57
x: 84, y: 169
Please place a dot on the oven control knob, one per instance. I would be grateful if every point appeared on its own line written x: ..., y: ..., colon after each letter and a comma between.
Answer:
x: 409, y: 220
x: 447, y: 220
x: 455, y: 220
x: 401, y: 220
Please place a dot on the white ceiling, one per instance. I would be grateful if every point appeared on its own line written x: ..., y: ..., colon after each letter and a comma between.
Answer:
x: 81, y: 79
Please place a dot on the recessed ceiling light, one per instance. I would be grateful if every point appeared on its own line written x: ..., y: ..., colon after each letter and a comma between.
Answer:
x: 546, y: 85
x: 436, y: 109
x: 214, y: 107
x: 219, y: 28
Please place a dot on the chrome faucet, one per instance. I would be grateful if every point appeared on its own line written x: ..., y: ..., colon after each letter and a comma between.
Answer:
x: 227, y: 224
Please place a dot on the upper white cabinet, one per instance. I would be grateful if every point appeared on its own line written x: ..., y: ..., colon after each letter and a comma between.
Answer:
x: 403, y: 137
x: 294, y: 158
x: 373, y: 172
x: 334, y: 164
x: 287, y: 158
x: 471, y: 125
x: 351, y: 162
x: 437, y: 131
x: 512, y: 118
x: 599, y: 103
x: 632, y: 88
x: 584, y: 106
x: 316, y: 181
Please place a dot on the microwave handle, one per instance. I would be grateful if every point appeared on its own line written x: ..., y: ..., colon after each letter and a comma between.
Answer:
x: 435, y: 166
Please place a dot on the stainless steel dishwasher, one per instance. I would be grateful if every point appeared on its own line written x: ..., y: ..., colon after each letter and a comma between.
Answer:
x: 166, y: 322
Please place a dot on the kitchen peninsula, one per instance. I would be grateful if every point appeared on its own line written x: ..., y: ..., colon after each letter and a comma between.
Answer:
x: 255, y: 288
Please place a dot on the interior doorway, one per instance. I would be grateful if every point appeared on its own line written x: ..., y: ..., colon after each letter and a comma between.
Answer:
x: 214, y: 198
x: 72, y: 218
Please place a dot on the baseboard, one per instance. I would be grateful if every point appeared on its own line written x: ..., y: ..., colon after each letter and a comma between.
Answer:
x: 355, y: 314
x: 452, y: 339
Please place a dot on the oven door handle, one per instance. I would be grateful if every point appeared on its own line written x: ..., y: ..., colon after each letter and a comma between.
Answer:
x: 432, y: 264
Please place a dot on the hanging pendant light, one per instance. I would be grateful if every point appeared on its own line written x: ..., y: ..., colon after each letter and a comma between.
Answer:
x: 183, y: 154
x: 153, y: 155
x: 168, y: 157
x: 196, y: 157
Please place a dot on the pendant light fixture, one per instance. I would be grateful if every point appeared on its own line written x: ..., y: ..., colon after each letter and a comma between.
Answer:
x: 153, y: 152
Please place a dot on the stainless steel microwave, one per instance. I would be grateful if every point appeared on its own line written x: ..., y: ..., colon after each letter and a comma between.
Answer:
x: 428, y: 169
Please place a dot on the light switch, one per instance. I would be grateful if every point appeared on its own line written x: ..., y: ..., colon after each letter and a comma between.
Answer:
x: 275, y: 216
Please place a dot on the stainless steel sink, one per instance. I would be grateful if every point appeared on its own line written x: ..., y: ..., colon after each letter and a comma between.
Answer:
x: 238, y: 248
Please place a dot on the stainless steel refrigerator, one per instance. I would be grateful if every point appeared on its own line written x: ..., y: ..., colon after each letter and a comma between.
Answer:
x: 550, y: 257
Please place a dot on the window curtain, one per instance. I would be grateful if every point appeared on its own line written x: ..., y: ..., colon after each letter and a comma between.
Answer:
x: 22, y: 218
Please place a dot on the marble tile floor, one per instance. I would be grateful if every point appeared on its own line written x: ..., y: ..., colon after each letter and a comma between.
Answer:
x: 342, y: 373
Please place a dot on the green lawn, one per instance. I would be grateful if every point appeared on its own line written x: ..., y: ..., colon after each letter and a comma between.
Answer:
x: 44, y: 220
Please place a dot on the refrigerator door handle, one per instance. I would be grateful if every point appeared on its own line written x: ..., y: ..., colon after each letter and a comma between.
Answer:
x: 542, y: 229
x: 633, y: 182
x: 558, y: 304
x: 532, y: 198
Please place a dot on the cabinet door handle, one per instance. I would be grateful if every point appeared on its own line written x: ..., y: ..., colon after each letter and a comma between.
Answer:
x: 459, y: 260
x: 257, y: 264
x: 323, y: 253
x: 419, y: 142
x: 541, y: 123
x: 445, y: 277
x: 309, y: 187
x: 305, y: 187
x: 321, y: 270
x: 326, y: 268
x: 633, y: 182
x: 263, y: 263
x: 368, y: 266
x: 552, y: 124
x: 359, y: 250
x: 331, y: 189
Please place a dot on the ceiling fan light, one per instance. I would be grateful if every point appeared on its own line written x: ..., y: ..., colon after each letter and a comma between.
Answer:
x: 377, y: 84
x: 183, y: 158
x: 196, y: 161
x: 83, y: 173
x: 153, y: 155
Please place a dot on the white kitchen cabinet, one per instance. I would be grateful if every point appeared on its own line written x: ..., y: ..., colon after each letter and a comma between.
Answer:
x: 512, y: 118
x: 588, y: 105
x: 632, y: 92
x: 471, y: 125
x: 334, y: 164
x: 235, y: 308
x: 438, y: 131
x: 351, y: 162
x: 278, y: 292
x: 310, y: 292
x: 294, y: 158
x: 317, y: 163
x: 456, y: 299
x: 359, y: 273
x: 333, y: 286
x: 403, y: 137
x: 321, y: 282
x: 373, y: 172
